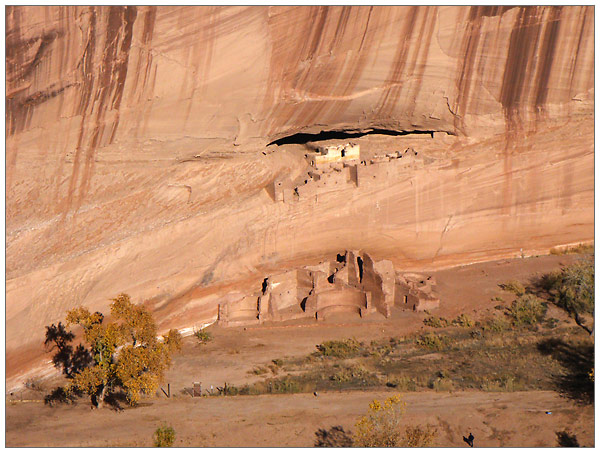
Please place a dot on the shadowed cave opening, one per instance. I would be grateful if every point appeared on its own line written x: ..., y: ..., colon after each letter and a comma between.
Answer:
x: 359, y: 261
x: 303, y: 138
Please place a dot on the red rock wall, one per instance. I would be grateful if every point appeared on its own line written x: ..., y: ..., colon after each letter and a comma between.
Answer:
x: 257, y: 73
x: 107, y: 107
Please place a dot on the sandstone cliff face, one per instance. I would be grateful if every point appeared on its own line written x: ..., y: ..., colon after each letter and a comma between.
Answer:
x: 134, y: 136
x: 261, y: 72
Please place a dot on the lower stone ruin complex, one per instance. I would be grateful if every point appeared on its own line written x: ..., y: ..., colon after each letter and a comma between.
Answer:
x: 352, y: 284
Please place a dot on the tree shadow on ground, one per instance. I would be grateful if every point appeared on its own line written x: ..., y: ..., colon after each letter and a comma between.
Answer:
x: 59, y: 396
x: 116, y: 400
x: 333, y: 437
x: 578, y: 361
x: 543, y: 286
x: 566, y: 439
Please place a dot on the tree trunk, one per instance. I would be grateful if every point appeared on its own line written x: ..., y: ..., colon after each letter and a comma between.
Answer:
x: 580, y: 323
x: 98, y: 397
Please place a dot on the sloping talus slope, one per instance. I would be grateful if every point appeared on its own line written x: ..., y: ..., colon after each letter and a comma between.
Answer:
x: 134, y: 139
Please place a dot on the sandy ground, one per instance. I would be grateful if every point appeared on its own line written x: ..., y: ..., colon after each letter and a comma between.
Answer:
x: 496, y: 419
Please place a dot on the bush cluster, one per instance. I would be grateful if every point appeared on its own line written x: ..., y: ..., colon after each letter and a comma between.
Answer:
x: 434, y: 321
x: 341, y: 349
x: 433, y: 341
x: 513, y: 286
x: 203, y: 336
x: 527, y: 310
x: 164, y: 436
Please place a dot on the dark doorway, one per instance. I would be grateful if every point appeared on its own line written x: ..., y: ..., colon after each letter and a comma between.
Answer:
x: 359, y: 261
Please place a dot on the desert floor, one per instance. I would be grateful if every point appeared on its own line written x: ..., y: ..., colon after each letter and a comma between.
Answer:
x: 520, y: 418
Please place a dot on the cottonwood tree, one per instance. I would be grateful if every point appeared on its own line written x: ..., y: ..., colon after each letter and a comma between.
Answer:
x: 125, y: 353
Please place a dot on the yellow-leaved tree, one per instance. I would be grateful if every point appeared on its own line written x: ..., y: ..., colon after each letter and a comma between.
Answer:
x: 126, y: 352
x: 381, y: 427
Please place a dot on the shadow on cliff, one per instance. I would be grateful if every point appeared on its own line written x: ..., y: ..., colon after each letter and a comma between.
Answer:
x: 304, y: 138
x: 576, y: 382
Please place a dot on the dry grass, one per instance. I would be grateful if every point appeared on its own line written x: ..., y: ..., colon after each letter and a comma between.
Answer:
x: 572, y: 249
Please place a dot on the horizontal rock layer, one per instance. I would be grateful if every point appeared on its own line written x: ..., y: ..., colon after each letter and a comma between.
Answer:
x: 134, y: 136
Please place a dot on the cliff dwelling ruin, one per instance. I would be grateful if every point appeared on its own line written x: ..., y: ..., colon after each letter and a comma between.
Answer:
x: 352, y: 284
x: 334, y: 167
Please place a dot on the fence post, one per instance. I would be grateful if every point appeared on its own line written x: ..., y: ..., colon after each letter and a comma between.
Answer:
x: 197, y: 391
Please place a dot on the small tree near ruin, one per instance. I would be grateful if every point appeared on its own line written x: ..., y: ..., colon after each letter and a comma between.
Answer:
x: 125, y: 353
x: 576, y: 292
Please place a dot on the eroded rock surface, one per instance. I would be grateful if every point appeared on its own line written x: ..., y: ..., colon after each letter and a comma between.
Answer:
x: 136, y: 158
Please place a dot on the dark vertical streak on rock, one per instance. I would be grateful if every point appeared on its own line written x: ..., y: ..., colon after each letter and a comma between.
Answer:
x: 470, y: 51
x: 23, y: 56
x: 122, y: 63
x: 144, y: 66
x: 523, y: 39
x: 111, y: 81
x: 341, y: 27
x: 318, y: 32
x: 149, y: 22
x: 366, y: 28
x: 547, y: 56
x: 87, y: 65
x: 572, y: 72
x: 428, y: 25
x: 394, y: 78
x: 352, y: 72
x: 469, y: 54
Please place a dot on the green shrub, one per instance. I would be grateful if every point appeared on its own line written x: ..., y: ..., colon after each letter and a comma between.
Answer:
x: 419, y: 437
x: 463, y: 321
x: 259, y: 370
x: 514, y: 287
x: 433, y: 341
x: 341, y: 349
x: 550, y: 281
x: 403, y: 384
x: 380, y: 352
x: 203, y: 336
x: 284, y: 385
x: 434, y: 321
x: 576, y: 288
x: 527, y: 310
x: 248, y: 390
x: 442, y: 384
x: 164, y: 436
x: 355, y: 374
x: 497, y: 324
x: 230, y: 390
x: 502, y: 384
